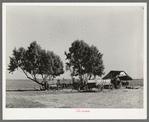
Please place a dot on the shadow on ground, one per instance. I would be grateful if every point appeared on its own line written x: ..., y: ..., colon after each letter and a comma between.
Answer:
x: 20, y: 90
x: 32, y: 91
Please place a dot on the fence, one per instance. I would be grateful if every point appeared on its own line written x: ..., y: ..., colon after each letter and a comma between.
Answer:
x: 135, y: 83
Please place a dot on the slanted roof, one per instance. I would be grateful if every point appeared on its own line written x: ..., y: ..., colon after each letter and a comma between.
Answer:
x: 125, y: 77
x: 113, y: 73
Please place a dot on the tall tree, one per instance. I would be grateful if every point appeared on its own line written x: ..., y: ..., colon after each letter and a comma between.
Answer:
x: 94, y: 66
x: 85, y: 61
x: 35, y: 61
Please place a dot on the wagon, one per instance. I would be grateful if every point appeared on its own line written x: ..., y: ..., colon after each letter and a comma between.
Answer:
x: 107, y: 84
x: 90, y: 84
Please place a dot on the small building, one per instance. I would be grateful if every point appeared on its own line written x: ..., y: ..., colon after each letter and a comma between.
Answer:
x: 118, y: 78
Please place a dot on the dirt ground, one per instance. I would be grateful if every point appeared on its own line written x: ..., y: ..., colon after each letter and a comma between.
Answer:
x: 117, y: 98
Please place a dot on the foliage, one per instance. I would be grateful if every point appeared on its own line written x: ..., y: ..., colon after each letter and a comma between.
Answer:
x: 84, y: 60
x: 35, y: 61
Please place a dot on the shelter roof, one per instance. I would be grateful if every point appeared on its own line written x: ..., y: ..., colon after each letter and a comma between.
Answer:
x: 114, y: 73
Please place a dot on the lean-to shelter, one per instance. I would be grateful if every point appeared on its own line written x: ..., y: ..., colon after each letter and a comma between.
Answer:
x: 117, y: 77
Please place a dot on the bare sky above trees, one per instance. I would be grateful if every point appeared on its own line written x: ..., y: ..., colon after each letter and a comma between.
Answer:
x: 116, y: 31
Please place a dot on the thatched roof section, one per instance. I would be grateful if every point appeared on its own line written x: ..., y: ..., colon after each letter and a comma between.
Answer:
x: 112, y: 74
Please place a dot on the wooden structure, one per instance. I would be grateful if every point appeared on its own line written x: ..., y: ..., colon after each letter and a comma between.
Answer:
x: 94, y: 84
x: 117, y: 77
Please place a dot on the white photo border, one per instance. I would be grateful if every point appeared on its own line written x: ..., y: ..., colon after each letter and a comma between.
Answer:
x: 59, y: 114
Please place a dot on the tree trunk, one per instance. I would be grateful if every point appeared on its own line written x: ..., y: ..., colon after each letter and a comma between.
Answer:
x: 35, y: 81
x: 90, y: 76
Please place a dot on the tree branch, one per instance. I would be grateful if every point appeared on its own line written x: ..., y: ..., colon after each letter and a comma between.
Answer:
x: 31, y: 78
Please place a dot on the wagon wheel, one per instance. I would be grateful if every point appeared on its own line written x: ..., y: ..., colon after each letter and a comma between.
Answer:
x: 119, y: 85
x: 89, y: 88
x: 79, y: 88
x: 100, y: 88
x: 112, y: 86
x: 86, y: 88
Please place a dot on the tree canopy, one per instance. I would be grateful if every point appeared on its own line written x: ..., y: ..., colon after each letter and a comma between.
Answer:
x: 84, y: 60
x: 35, y: 61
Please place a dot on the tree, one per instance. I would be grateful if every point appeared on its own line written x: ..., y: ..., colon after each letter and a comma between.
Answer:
x: 35, y: 61
x: 94, y: 66
x: 84, y: 61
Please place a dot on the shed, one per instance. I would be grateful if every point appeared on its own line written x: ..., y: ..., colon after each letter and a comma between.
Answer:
x: 117, y: 77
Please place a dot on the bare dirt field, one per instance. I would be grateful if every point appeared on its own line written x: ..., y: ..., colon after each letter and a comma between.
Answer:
x: 117, y: 98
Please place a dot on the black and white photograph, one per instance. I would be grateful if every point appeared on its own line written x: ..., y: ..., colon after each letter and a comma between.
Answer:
x: 74, y: 60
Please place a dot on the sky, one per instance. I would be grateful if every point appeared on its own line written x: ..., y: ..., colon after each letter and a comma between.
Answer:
x: 117, y: 31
